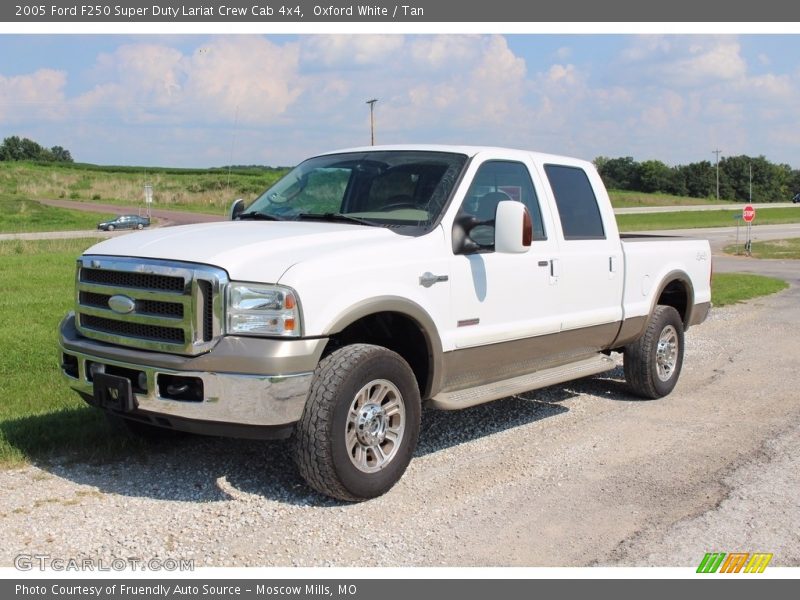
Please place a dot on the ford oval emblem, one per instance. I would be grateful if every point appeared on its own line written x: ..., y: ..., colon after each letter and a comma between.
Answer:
x: 121, y: 304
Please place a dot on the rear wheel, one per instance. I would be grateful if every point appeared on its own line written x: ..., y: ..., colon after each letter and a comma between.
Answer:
x: 360, y: 425
x: 139, y: 226
x: 653, y: 362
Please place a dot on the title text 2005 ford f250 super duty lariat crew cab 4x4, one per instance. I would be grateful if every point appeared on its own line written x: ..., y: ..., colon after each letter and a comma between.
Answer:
x: 367, y: 281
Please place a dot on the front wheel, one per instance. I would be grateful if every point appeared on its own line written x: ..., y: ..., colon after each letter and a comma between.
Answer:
x: 360, y: 425
x: 653, y: 362
x: 110, y: 228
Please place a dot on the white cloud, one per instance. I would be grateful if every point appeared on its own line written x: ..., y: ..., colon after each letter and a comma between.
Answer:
x: 685, y: 61
x: 350, y: 50
x: 445, y: 51
x: 38, y: 95
x: 244, y: 79
x: 487, y: 89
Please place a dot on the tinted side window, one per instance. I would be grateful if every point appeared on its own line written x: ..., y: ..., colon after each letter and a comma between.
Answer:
x: 498, y: 180
x: 577, y: 204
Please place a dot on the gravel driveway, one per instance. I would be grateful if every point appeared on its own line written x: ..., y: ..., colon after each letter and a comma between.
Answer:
x: 579, y: 474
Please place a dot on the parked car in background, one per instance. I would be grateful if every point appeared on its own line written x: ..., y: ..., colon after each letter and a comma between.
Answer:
x: 796, y: 199
x: 125, y: 222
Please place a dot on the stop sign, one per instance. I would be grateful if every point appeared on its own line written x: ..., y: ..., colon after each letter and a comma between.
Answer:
x: 748, y: 213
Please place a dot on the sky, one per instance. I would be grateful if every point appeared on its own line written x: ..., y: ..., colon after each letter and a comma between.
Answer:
x: 214, y: 100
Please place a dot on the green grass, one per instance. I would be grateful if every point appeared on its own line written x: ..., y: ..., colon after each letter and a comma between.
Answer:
x: 39, y: 414
x: 731, y: 288
x: 199, y: 190
x: 709, y: 218
x: 19, y: 215
x: 627, y: 199
x: 786, y: 249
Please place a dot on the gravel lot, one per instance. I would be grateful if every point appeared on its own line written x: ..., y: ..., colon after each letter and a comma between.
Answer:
x: 573, y: 475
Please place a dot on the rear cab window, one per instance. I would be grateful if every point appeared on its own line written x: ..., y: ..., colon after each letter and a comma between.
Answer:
x: 577, y: 204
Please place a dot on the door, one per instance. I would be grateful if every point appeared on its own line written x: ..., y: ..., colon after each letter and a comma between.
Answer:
x: 589, y: 267
x: 498, y: 297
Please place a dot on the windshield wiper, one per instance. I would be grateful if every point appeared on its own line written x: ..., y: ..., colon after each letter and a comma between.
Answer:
x: 334, y: 217
x: 257, y: 216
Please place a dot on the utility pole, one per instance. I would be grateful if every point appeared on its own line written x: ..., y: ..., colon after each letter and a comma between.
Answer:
x: 717, y: 152
x: 372, y: 121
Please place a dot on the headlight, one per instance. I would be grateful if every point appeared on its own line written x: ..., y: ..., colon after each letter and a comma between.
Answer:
x: 255, y: 309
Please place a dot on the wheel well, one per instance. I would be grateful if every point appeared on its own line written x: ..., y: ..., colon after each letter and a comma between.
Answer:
x: 676, y: 295
x: 395, y: 331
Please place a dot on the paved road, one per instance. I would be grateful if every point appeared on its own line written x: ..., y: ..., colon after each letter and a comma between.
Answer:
x: 169, y: 217
x: 165, y: 218
x: 724, y: 236
x: 699, y: 207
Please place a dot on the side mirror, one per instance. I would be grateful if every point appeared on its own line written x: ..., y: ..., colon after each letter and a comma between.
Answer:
x: 513, y: 229
x: 237, y: 208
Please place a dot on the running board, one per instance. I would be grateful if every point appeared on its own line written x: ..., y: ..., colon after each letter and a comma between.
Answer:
x: 523, y: 383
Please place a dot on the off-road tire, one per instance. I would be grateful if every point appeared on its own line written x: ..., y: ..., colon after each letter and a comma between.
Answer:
x: 642, y: 358
x: 320, y: 444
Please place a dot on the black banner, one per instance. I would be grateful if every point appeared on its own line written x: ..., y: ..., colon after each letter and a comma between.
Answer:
x: 387, y: 589
x: 388, y: 11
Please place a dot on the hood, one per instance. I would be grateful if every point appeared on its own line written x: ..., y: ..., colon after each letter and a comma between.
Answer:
x: 247, y: 250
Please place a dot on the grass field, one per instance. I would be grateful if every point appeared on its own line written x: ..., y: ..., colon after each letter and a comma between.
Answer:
x: 710, y: 218
x: 19, y: 215
x: 40, y: 416
x: 208, y: 190
x: 786, y: 249
x: 626, y: 199
x: 730, y: 288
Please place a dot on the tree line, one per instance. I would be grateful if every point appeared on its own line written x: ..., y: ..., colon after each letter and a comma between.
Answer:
x: 17, y: 148
x: 770, y: 182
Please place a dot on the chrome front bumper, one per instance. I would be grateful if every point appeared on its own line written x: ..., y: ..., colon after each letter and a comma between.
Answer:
x: 235, y: 398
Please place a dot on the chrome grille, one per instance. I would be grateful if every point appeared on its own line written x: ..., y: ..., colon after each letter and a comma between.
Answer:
x: 170, y: 335
x: 133, y: 280
x: 166, y: 306
x: 144, y: 307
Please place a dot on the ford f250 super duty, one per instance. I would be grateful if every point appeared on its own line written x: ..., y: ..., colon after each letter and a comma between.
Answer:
x: 366, y: 282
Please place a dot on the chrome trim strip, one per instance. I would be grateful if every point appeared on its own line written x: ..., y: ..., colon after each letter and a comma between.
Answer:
x: 170, y: 347
x: 139, y: 318
x: 134, y: 293
x: 262, y: 400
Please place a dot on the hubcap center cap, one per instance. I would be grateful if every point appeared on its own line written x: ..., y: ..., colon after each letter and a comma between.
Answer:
x: 371, y: 425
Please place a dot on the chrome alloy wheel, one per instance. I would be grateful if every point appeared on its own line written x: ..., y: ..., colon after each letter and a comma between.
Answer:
x: 375, y: 424
x: 667, y: 353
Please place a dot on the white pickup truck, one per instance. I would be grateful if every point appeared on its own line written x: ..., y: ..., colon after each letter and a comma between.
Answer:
x: 371, y: 280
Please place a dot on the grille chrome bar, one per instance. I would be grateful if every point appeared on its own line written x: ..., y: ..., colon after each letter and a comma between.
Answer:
x: 139, y: 318
x: 177, y: 307
x: 136, y: 294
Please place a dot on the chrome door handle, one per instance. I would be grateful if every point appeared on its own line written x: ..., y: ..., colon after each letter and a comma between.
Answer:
x: 427, y: 279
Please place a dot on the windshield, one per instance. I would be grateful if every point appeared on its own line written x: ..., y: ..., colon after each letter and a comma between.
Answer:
x: 370, y: 188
